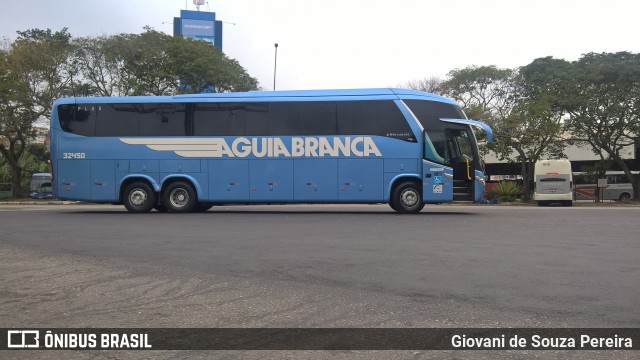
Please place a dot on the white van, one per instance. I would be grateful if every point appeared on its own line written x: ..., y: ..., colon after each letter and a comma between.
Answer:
x: 553, y: 182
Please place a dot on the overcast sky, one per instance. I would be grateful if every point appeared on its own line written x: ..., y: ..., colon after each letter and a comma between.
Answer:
x: 357, y: 43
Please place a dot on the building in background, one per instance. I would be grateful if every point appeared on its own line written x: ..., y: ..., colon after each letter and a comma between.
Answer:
x: 581, y: 158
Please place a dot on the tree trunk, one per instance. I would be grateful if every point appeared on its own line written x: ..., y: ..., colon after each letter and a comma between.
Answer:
x: 525, y: 180
x: 12, y: 155
x: 16, y: 181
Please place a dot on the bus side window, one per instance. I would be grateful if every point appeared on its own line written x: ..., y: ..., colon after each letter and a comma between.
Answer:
x: 163, y: 120
x: 375, y: 117
x: 318, y: 118
x: 77, y: 120
x: 257, y: 118
x: 219, y: 119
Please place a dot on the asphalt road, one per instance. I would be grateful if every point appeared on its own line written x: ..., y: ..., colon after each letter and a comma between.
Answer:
x: 321, y: 266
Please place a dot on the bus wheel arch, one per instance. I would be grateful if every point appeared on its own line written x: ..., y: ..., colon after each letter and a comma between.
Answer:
x: 625, y: 196
x: 179, y: 195
x: 406, y: 196
x: 138, y: 195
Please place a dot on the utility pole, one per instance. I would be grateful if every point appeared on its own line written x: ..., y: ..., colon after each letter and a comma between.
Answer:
x: 275, y: 67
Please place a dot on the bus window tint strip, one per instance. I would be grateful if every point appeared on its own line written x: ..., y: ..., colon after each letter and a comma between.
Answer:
x: 382, y: 118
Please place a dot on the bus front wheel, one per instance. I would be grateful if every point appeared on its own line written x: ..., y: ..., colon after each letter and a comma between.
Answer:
x: 179, y: 197
x: 139, y: 197
x: 407, y: 198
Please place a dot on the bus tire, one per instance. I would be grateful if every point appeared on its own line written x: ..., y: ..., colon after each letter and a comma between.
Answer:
x: 179, y: 197
x: 625, y: 196
x: 139, y: 197
x: 407, y: 198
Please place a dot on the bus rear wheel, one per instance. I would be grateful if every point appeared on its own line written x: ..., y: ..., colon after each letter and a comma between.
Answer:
x: 179, y: 197
x: 625, y: 197
x: 407, y: 198
x: 139, y: 197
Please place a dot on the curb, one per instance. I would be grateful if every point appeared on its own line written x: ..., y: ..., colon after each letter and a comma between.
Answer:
x: 53, y: 202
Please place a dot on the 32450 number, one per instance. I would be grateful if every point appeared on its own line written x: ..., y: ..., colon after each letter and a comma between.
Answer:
x: 77, y: 155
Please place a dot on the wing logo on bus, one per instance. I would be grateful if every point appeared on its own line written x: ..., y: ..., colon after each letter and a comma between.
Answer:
x: 361, y: 146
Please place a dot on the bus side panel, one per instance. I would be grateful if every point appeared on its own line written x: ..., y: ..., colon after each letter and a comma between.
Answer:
x: 271, y: 180
x: 73, y: 180
x: 149, y: 168
x: 122, y: 166
x: 229, y: 180
x: 613, y: 191
x: 180, y: 166
x: 437, y: 183
x: 396, y: 167
x: 103, y: 180
x: 361, y: 180
x: 316, y: 180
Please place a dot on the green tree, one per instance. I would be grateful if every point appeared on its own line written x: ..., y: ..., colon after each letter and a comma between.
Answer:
x: 40, y: 61
x: 200, y: 67
x: 153, y: 63
x: 100, y: 62
x: 34, y: 71
x: 603, y: 103
x: 16, y: 121
x: 484, y: 92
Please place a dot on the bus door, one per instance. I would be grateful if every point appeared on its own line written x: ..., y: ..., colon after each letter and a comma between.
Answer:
x: 463, y: 163
x: 449, y: 165
x: 468, y: 168
x: 437, y: 184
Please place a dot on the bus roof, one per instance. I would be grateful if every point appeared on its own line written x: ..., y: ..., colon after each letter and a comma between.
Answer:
x: 265, y: 95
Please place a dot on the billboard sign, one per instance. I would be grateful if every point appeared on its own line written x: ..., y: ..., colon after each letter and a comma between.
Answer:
x: 199, y: 29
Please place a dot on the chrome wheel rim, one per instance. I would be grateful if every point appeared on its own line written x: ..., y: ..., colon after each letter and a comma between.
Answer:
x: 179, y: 198
x: 138, y: 197
x: 409, y: 198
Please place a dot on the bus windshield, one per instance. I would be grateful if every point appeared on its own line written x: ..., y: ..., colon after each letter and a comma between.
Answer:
x: 40, y: 186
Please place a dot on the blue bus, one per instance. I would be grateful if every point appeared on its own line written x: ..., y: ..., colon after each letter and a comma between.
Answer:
x: 186, y: 153
x: 40, y: 186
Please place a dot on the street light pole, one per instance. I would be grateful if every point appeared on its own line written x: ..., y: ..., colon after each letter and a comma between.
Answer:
x: 275, y: 67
